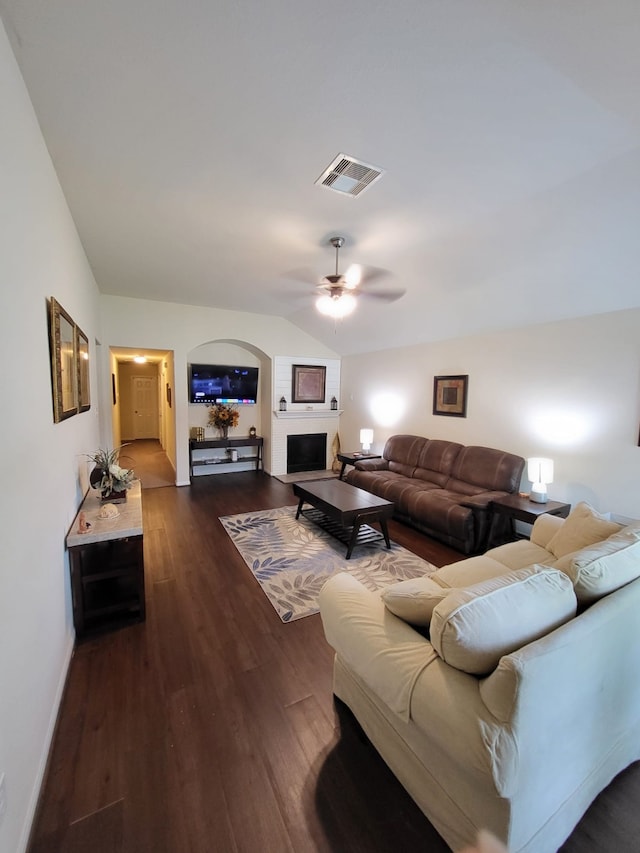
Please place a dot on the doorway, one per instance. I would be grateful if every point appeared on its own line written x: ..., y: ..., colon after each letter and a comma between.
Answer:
x: 144, y: 404
x: 143, y: 414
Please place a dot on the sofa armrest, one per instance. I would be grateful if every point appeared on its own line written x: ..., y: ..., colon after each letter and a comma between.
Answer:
x: 482, y: 500
x: 372, y: 465
x: 387, y: 654
x: 480, y: 506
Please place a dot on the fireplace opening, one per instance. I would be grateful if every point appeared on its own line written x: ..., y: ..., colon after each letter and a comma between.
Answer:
x: 306, y: 452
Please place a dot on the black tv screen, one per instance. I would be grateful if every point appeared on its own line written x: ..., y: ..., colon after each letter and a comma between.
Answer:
x: 222, y: 383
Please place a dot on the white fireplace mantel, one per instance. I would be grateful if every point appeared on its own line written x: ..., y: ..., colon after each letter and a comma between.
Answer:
x: 308, y: 413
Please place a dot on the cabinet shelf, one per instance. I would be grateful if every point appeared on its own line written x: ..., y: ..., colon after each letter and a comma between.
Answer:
x: 224, y: 444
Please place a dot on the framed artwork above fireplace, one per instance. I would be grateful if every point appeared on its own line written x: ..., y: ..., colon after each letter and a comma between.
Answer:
x: 308, y: 383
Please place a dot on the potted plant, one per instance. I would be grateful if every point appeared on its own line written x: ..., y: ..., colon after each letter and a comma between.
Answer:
x: 109, y: 477
x: 222, y: 416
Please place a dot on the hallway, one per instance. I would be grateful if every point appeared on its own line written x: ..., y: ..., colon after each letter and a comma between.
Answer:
x: 149, y: 461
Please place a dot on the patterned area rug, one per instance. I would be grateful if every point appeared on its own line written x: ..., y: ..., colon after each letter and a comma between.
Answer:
x: 292, y: 559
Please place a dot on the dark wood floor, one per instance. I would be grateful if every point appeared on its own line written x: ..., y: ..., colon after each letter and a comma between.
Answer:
x: 211, y: 727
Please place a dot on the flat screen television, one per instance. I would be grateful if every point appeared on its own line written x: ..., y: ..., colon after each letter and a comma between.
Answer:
x: 222, y: 383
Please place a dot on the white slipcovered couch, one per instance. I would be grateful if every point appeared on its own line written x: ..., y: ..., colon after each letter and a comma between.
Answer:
x: 494, y: 704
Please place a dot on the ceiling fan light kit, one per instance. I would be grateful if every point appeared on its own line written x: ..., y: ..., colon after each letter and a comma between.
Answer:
x: 338, y: 306
x: 336, y: 303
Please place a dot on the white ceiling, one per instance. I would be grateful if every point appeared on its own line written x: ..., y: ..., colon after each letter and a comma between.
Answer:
x: 187, y: 137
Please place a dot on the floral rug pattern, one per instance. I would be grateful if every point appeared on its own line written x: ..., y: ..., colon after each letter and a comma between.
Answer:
x: 291, y: 560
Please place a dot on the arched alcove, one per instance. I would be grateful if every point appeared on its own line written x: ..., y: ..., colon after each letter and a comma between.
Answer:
x: 241, y: 353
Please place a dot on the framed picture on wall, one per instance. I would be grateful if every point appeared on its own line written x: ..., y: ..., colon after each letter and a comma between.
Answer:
x: 82, y: 350
x: 308, y: 383
x: 450, y: 395
x: 64, y: 362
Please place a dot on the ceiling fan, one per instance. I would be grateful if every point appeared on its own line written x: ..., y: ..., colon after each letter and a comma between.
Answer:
x: 338, y: 299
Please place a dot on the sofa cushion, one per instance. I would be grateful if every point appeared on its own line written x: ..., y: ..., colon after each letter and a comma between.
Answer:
x: 404, y: 449
x: 521, y: 553
x: 471, y: 629
x: 471, y: 571
x: 584, y: 526
x: 413, y: 600
x: 491, y: 469
x: 602, y: 568
x: 436, y: 461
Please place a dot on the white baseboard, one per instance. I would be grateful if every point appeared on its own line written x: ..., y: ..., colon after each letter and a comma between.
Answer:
x: 42, y: 766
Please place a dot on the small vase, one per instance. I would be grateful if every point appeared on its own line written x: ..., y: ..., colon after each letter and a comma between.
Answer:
x: 224, y: 432
x: 113, y: 497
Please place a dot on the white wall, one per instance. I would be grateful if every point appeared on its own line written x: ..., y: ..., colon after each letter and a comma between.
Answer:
x: 44, y: 471
x: 568, y: 390
x: 168, y: 421
x: 182, y: 328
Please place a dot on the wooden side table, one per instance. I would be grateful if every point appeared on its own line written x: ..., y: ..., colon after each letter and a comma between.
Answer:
x: 352, y: 458
x: 518, y: 508
x: 106, y: 564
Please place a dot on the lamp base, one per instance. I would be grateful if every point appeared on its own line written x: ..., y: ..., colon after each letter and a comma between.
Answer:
x: 538, y: 496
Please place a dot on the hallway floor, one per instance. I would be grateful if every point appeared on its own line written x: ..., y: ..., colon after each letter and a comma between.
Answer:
x: 149, y: 461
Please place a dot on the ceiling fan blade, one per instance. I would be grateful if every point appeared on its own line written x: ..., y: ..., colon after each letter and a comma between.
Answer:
x: 353, y: 276
x: 305, y: 274
x: 373, y: 274
x: 383, y: 295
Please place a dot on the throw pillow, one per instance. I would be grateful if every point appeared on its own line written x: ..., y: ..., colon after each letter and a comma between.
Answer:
x: 474, y: 627
x: 413, y: 600
x: 584, y: 526
x: 605, y: 567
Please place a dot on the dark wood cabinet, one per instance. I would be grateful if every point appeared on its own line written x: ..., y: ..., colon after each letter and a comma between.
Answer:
x: 107, y: 565
x: 220, y: 448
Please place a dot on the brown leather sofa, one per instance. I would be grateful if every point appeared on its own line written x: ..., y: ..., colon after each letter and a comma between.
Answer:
x: 443, y: 488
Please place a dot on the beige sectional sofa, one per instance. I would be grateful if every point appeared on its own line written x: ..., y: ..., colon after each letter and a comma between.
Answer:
x: 502, y: 690
x: 441, y: 487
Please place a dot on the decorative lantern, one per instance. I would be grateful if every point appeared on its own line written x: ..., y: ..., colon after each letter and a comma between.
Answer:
x: 334, y: 404
x: 283, y: 404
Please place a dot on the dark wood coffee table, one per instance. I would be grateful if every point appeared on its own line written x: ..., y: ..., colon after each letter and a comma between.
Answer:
x: 344, y: 511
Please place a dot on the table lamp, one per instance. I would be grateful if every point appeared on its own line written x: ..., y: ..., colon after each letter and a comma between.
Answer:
x: 366, y: 437
x: 540, y: 472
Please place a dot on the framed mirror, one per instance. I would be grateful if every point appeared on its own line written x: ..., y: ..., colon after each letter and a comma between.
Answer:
x: 64, y: 363
x: 82, y: 353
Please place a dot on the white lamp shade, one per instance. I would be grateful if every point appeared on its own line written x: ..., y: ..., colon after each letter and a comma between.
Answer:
x: 366, y: 437
x: 540, y: 470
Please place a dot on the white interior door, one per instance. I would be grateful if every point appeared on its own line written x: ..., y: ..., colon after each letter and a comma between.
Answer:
x: 144, y: 395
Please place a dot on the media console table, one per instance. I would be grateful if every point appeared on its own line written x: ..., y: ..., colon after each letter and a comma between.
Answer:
x: 197, y: 460
x: 106, y: 564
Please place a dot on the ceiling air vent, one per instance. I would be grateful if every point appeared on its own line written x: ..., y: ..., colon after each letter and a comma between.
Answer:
x: 349, y: 176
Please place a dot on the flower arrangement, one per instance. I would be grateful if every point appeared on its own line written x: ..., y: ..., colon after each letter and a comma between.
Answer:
x: 223, y: 415
x: 108, y: 476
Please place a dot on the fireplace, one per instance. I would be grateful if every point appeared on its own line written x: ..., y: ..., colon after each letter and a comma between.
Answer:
x: 306, y: 452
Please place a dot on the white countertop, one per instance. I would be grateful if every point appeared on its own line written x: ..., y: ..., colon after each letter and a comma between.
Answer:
x: 127, y: 523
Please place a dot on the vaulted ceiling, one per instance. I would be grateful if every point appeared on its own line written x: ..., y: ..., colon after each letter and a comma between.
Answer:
x: 188, y: 136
